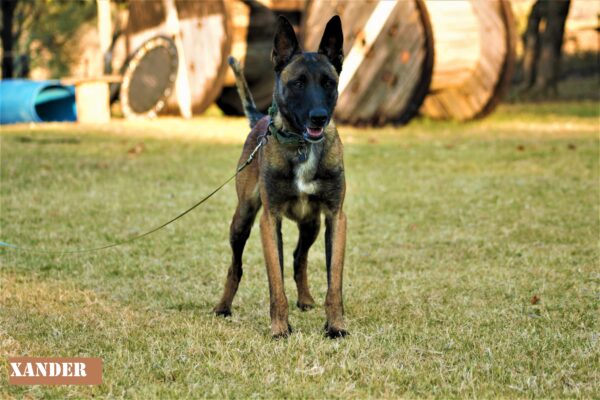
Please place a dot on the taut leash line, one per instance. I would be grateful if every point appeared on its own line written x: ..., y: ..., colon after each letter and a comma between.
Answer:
x: 262, y: 141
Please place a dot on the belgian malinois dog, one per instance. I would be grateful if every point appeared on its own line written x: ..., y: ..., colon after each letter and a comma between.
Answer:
x: 298, y: 173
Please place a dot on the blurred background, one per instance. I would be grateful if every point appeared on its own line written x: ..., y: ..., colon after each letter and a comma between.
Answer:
x: 442, y: 59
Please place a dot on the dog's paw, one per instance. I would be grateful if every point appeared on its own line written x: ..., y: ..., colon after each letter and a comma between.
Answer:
x: 281, y: 333
x: 334, y: 333
x: 305, y: 305
x: 222, y: 312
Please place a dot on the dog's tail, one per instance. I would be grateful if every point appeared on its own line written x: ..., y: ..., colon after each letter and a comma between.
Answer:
x: 250, y: 109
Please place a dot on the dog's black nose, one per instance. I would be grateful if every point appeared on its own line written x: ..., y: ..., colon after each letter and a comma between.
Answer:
x: 318, y: 116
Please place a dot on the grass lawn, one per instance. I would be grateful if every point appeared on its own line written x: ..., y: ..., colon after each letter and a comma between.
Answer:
x: 472, y: 265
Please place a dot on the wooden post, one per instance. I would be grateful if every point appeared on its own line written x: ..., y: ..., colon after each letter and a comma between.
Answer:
x: 92, y: 95
x: 104, y: 28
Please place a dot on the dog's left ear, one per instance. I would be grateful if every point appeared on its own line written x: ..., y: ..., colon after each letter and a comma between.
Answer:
x: 332, y: 43
x: 285, y: 44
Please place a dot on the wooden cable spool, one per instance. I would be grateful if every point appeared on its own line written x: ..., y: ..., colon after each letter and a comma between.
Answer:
x: 253, y: 26
x: 205, y: 32
x: 474, y: 57
x: 388, y: 62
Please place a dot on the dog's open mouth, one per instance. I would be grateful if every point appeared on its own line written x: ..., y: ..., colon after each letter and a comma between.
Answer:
x: 314, y: 133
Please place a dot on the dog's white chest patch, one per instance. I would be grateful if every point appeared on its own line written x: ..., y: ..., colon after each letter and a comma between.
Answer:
x: 305, y: 172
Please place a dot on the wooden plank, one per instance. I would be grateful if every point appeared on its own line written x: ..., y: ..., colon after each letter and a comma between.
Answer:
x: 79, y: 80
x: 409, y: 67
x: 387, y: 73
x: 284, y: 5
x: 354, y: 15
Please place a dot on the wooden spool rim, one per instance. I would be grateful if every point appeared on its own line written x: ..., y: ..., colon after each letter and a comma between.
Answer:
x: 508, y: 66
x: 422, y: 87
x: 219, y: 81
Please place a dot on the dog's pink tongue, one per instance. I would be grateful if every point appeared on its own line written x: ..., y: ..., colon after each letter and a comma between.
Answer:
x: 314, y: 132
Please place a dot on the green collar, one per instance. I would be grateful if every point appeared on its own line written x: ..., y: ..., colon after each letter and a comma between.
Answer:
x: 283, y: 137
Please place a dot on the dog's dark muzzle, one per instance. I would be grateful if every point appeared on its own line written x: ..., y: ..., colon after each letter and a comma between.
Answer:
x: 317, y: 121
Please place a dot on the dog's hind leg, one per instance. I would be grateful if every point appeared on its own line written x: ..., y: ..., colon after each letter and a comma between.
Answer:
x: 307, y: 236
x: 240, y: 228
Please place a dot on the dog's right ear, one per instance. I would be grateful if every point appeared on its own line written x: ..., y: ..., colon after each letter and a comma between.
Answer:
x: 332, y: 43
x: 285, y: 44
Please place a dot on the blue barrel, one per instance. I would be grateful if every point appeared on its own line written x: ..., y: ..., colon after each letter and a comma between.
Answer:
x: 22, y: 100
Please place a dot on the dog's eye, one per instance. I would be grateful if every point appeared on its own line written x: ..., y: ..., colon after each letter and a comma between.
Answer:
x: 328, y: 83
x: 298, y: 84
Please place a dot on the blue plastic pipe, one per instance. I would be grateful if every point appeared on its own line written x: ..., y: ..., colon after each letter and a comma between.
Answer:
x: 23, y: 100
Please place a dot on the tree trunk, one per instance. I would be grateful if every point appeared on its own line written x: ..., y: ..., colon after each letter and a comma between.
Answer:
x: 550, y: 51
x: 542, y: 43
x: 8, y: 11
x: 531, y: 42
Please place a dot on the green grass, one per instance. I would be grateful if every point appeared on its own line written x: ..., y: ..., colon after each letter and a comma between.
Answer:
x: 453, y: 228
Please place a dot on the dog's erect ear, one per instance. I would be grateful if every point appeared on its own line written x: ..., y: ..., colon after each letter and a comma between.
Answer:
x: 332, y: 43
x: 285, y: 44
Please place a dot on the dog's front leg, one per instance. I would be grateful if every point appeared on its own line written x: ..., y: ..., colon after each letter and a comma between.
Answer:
x: 335, y: 247
x: 279, y: 306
